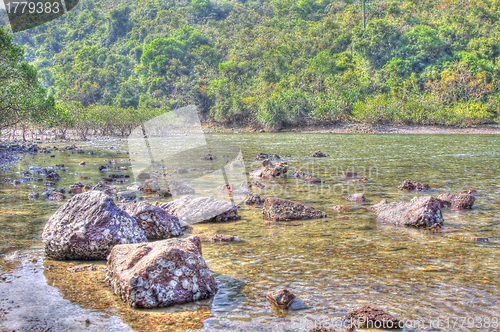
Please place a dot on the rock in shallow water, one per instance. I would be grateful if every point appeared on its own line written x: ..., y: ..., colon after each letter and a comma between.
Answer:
x: 460, y: 201
x: 420, y: 212
x: 413, y: 186
x: 87, y: 227
x: 154, y: 221
x: 161, y: 273
x: 278, y: 209
x: 191, y: 210
x: 368, y: 317
x: 281, y: 298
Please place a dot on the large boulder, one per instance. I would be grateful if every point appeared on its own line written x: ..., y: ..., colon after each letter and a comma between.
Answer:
x: 154, y: 221
x: 278, y: 209
x: 270, y: 170
x: 460, y: 201
x: 420, y: 212
x: 159, y: 274
x: 87, y: 227
x: 191, y: 210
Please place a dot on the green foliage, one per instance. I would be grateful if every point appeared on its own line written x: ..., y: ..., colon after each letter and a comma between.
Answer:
x: 278, y: 62
x: 22, y: 99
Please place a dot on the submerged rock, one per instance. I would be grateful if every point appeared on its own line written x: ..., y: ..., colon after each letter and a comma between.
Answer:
x: 154, y: 221
x: 126, y: 196
x: 460, y: 201
x: 179, y: 188
x: 299, y: 174
x: 356, y: 198
x: 254, y: 199
x: 281, y: 298
x: 413, y: 186
x: 278, y: 209
x: 87, y: 227
x: 236, y: 162
x: 349, y: 175
x: 270, y: 170
x: 318, y: 154
x: 208, y: 156
x: 161, y: 273
x: 224, y: 238
x: 420, y: 212
x: 341, y: 208
x: 33, y: 195
x: 369, y: 318
x: 270, y: 156
x: 191, y: 210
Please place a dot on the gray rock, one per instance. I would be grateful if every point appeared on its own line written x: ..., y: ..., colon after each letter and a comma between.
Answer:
x: 126, y: 196
x: 420, y: 212
x: 179, y: 188
x: 154, y: 221
x: 87, y: 227
x: 161, y: 273
x: 279, y: 209
x: 191, y: 210
x: 34, y: 195
x: 460, y: 201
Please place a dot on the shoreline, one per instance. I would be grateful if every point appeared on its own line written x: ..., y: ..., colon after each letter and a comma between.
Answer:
x: 337, y: 128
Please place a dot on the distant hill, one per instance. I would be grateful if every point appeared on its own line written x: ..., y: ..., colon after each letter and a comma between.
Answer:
x: 278, y: 62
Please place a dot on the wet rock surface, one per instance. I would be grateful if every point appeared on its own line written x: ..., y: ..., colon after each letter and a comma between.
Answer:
x: 191, y: 210
x: 279, y: 209
x: 370, y: 317
x: 420, y: 212
x: 254, y: 199
x: 460, y: 201
x: 318, y: 154
x: 356, y: 198
x: 299, y: 174
x: 126, y: 196
x: 409, y: 185
x: 281, y: 298
x: 87, y: 227
x: 224, y: 238
x: 270, y: 170
x: 349, y: 175
x: 270, y: 156
x: 160, y: 274
x: 156, y: 223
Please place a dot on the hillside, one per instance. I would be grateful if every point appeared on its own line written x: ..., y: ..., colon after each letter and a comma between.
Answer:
x: 277, y: 62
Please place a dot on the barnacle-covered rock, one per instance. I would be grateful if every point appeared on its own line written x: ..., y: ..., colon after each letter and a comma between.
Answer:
x: 420, y: 212
x: 270, y: 170
x: 87, y: 227
x: 191, y: 210
x: 154, y: 221
x: 254, y: 199
x: 413, y: 186
x: 460, y: 201
x: 318, y: 154
x: 356, y: 198
x: 159, y: 274
x: 369, y: 318
x: 278, y: 209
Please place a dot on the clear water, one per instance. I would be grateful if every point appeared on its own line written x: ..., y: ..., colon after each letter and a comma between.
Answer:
x: 332, y: 265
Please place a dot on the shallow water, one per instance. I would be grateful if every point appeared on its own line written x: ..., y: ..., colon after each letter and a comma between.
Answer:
x: 332, y: 265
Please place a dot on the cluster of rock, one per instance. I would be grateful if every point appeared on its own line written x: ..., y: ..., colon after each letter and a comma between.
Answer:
x: 90, y: 226
x: 270, y: 170
x: 409, y: 185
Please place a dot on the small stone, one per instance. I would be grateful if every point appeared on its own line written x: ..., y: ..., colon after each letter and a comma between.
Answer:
x: 281, y: 298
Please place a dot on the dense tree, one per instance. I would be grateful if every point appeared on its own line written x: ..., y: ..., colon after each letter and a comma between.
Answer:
x: 22, y: 99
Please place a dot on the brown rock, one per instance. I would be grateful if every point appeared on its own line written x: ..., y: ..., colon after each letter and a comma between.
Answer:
x: 369, y: 318
x: 278, y: 209
x: 254, y: 199
x: 271, y: 171
x: 56, y: 196
x: 87, y: 227
x: 413, y: 186
x: 357, y: 198
x: 341, y: 208
x: 224, y: 238
x: 270, y: 156
x: 348, y: 175
x: 318, y: 154
x: 282, y: 298
x: 159, y: 274
x: 156, y: 223
x: 460, y: 201
x: 299, y: 174
x: 420, y: 212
